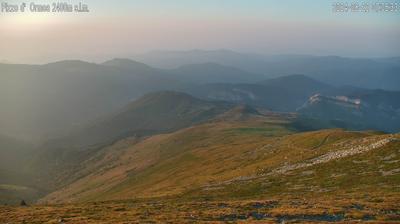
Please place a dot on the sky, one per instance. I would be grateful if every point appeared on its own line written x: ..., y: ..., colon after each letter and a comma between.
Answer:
x: 123, y: 28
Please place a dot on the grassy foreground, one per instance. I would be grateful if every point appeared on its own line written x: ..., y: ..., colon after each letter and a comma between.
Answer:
x: 339, y: 209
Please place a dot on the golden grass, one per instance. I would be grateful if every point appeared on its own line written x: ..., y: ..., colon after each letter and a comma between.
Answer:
x: 222, y: 172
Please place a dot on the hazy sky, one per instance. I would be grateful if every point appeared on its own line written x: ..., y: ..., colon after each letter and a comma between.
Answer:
x: 123, y: 28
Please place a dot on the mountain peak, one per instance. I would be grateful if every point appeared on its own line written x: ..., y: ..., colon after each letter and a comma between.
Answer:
x: 126, y: 63
x: 154, y: 113
x: 239, y: 113
x: 70, y: 63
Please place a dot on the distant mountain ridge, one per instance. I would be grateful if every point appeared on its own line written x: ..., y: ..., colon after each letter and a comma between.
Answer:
x: 89, y: 115
x: 279, y: 94
x: 127, y: 64
x: 378, y: 109
x: 374, y: 73
x: 52, y: 99
x: 214, y: 73
x: 298, y: 83
x: 46, y: 101
x: 364, y: 111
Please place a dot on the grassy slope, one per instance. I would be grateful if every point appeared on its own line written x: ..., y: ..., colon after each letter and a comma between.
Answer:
x: 233, y: 159
x: 188, y: 151
x: 225, y: 171
x: 59, y: 161
x: 363, y: 175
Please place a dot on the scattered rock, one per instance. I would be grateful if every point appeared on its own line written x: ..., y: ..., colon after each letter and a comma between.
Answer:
x: 23, y: 203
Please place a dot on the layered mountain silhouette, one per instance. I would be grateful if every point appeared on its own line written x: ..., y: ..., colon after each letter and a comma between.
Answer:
x: 48, y: 101
x: 380, y: 73
x: 121, y: 129
x: 128, y: 64
x: 214, y: 73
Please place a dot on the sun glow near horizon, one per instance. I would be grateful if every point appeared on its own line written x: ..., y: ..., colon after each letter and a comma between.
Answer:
x: 123, y: 28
